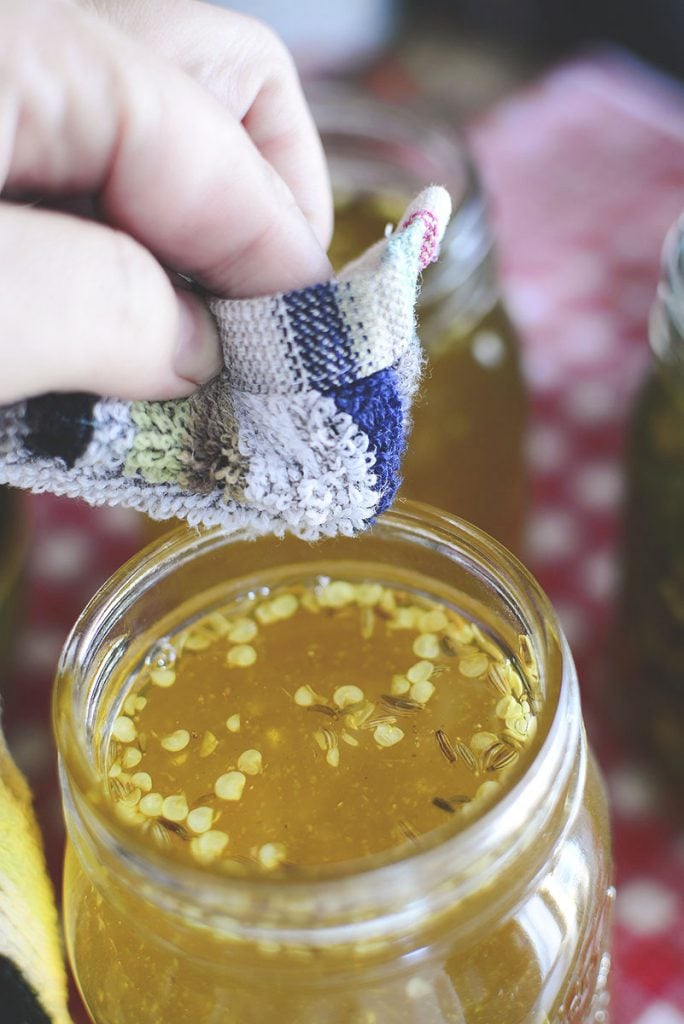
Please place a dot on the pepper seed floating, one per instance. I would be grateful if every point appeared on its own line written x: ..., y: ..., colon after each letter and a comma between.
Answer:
x: 368, y: 703
x: 175, y: 808
x: 230, y: 786
x: 250, y: 762
x: 241, y: 656
x: 346, y: 695
x: 163, y: 677
x: 426, y: 646
x: 176, y: 741
x: 131, y: 757
x: 200, y: 819
x: 124, y: 729
x: 151, y: 805
x: 386, y: 735
x: 209, y: 846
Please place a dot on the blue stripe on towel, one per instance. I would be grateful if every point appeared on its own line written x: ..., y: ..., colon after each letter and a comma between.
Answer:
x: 375, y: 405
x: 322, y: 335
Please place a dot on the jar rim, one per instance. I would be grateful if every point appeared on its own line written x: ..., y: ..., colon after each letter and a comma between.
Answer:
x: 414, y: 129
x: 503, y: 822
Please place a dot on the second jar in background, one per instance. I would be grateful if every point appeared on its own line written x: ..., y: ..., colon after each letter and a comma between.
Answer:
x: 466, y: 448
x: 651, y: 648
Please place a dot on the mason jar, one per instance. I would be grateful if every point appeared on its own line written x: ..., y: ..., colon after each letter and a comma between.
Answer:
x: 504, y: 919
x: 466, y: 449
x: 651, y: 641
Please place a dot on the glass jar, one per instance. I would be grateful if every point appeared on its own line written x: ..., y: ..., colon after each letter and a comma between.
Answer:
x: 652, y: 637
x: 465, y: 452
x: 506, y: 920
x: 14, y: 538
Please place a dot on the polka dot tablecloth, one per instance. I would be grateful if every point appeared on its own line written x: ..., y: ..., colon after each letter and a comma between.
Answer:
x: 586, y: 172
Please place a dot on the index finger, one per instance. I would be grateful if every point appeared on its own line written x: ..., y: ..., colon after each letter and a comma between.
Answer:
x: 171, y: 167
x: 244, y: 65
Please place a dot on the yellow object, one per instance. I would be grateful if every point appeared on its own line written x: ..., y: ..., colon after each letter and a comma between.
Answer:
x: 402, y: 859
x: 32, y: 977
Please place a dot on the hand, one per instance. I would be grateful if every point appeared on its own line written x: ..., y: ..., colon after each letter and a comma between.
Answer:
x: 186, y: 127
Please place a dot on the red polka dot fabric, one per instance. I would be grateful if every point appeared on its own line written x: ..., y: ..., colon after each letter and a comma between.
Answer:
x: 586, y: 172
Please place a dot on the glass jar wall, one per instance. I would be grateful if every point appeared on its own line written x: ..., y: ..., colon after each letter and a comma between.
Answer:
x: 466, y: 449
x: 504, y: 919
x: 652, y: 637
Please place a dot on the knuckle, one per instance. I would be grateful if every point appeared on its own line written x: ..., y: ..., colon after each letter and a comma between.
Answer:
x: 268, y: 46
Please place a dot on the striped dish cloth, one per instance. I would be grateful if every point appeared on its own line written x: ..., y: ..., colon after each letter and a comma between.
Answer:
x: 303, y: 431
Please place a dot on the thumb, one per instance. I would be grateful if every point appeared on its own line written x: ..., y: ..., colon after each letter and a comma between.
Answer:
x: 87, y: 308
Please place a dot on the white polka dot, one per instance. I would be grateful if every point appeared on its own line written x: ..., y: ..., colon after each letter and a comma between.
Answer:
x: 528, y: 302
x: 551, y: 535
x: 646, y: 907
x: 583, y: 275
x: 574, y: 623
x: 633, y: 791
x: 488, y: 349
x: 598, y: 574
x: 62, y: 554
x: 660, y: 1013
x: 599, y: 485
x: 40, y: 649
x: 543, y: 375
x: 591, y: 401
x: 547, y: 448
x: 585, y: 339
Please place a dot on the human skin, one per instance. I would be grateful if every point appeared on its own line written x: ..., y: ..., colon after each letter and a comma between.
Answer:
x: 182, y: 131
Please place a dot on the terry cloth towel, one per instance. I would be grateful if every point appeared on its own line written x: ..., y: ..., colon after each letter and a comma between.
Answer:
x: 303, y: 431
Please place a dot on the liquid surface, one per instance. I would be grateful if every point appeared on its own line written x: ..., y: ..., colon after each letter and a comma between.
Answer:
x: 324, y: 722
x: 227, y: 745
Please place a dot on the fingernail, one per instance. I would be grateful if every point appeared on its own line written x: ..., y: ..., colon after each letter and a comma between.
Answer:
x: 198, y: 353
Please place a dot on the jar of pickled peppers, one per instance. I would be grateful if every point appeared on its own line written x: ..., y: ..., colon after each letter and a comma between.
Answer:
x: 335, y: 784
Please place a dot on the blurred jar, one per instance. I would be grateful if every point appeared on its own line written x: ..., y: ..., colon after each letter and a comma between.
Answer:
x: 652, y: 634
x: 466, y: 448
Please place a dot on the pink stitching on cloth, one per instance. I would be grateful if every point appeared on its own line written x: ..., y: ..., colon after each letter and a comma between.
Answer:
x: 430, y: 246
